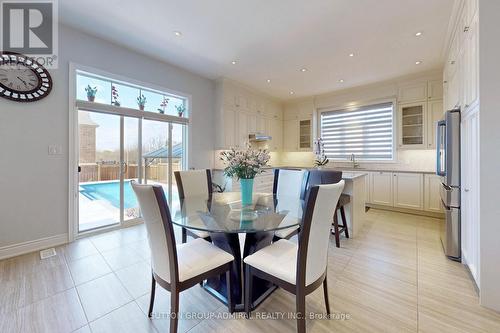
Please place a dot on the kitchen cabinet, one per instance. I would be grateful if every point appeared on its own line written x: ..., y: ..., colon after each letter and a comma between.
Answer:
x: 412, y: 119
x: 432, y: 186
x: 368, y: 185
x: 229, y: 130
x: 276, y: 133
x: 435, y: 112
x: 241, y: 112
x: 470, y: 191
x: 381, y: 188
x: 408, y: 190
x: 305, y: 134
x: 291, y: 135
x: 471, y: 78
x: 412, y: 92
x: 434, y: 90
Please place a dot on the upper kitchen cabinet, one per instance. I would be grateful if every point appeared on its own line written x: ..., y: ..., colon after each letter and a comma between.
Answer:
x: 412, y: 122
x: 435, y: 112
x: 412, y: 92
x: 435, y: 90
x: 241, y: 112
x: 298, y: 126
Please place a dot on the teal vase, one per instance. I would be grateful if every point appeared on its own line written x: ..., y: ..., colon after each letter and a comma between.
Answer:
x: 246, y: 191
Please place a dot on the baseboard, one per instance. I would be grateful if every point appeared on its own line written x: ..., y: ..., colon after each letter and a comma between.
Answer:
x: 407, y: 211
x: 31, y: 246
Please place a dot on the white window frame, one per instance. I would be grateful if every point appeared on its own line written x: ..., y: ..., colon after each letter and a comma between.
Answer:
x: 74, y: 105
x: 355, y: 106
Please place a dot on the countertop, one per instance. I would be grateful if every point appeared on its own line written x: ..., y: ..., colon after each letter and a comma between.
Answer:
x: 357, y: 170
x: 349, y: 175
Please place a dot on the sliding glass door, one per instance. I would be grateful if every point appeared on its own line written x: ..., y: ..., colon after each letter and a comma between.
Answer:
x: 115, y: 150
x: 124, y: 133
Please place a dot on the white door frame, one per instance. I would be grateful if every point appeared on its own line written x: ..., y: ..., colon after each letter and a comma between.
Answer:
x: 73, y: 151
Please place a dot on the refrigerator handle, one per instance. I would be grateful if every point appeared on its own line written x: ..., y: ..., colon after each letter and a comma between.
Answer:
x: 441, y: 123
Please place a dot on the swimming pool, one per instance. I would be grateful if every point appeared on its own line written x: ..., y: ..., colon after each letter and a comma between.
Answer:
x: 110, y: 191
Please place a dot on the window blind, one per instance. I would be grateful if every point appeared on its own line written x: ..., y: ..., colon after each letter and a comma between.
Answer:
x: 367, y: 132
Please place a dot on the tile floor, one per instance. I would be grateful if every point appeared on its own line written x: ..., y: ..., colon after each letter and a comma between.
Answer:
x: 392, y: 278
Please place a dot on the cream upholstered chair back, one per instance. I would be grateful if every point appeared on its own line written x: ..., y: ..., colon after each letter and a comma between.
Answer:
x: 289, y: 182
x: 194, y: 183
x: 314, y: 237
x: 159, y: 228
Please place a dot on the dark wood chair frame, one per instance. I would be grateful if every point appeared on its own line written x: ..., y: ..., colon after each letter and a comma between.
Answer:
x: 180, y: 188
x: 300, y: 290
x: 175, y: 287
x: 339, y: 229
x: 302, y: 195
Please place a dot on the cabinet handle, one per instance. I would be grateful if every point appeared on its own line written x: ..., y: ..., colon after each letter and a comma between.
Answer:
x: 452, y: 62
x: 467, y: 190
x: 466, y: 29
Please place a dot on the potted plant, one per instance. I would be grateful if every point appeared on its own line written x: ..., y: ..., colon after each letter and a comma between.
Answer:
x: 141, y: 101
x: 114, y: 96
x: 320, y: 159
x: 245, y: 165
x: 180, y: 110
x: 163, y: 105
x: 91, y: 92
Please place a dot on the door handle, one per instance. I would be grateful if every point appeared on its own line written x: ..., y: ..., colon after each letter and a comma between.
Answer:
x: 79, y: 169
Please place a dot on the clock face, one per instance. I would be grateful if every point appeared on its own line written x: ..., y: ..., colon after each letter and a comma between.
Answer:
x: 23, y: 79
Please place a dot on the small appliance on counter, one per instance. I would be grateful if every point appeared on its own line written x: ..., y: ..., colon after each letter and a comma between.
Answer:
x: 448, y: 167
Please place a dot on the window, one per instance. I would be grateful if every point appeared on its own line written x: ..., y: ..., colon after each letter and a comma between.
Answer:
x: 124, y: 94
x: 367, y: 132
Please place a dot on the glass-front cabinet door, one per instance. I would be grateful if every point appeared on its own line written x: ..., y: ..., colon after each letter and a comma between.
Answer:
x: 412, y: 120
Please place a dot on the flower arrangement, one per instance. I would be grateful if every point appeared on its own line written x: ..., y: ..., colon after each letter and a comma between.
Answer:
x: 141, y: 102
x: 319, y: 152
x: 163, y: 105
x: 91, y: 92
x: 180, y: 109
x: 114, y: 96
x: 244, y: 164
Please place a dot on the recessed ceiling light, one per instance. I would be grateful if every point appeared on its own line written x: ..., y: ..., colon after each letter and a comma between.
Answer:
x: 341, y: 80
x: 268, y: 80
x: 291, y: 92
x: 351, y: 54
x: 303, y: 69
x: 418, y: 62
x: 418, y: 34
x: 233, y: 62
x: 178, y: 33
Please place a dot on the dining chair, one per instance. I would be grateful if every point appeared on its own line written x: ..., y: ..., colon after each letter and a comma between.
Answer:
x: 299, y: 269
x: 177, y: 267
x: 318, y: 177
x: 289, y: 183
x: 194, y: 183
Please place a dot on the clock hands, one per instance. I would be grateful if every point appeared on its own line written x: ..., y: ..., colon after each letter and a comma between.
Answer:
x: 24, y: 82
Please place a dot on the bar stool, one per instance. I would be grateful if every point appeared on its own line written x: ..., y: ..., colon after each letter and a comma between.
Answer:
x: 339, y: 229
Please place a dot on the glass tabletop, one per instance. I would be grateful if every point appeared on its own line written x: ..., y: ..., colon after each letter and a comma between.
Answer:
x: 225, y: 213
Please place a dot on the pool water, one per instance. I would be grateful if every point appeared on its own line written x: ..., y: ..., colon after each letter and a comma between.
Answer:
x: 110, y: 191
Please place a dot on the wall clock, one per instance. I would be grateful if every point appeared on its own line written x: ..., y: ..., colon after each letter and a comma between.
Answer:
x: 23, y: 79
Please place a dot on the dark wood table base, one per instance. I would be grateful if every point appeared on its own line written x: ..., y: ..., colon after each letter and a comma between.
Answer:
x: 231, y: 244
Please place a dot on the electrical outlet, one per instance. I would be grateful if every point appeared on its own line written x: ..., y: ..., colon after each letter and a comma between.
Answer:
x: 55, y: 149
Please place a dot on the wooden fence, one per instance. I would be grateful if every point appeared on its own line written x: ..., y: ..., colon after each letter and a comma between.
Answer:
x: 95, y: 172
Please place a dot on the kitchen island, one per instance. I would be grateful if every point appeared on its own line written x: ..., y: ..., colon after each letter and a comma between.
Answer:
x: 355, y: 187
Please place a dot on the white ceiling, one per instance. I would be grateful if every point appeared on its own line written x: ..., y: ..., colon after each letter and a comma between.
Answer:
x: 274, y: 39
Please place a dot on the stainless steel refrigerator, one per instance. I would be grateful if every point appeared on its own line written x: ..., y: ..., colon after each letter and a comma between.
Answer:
x: 448, y: 167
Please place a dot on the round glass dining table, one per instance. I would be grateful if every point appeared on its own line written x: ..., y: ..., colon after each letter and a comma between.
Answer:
x: 239, y: 230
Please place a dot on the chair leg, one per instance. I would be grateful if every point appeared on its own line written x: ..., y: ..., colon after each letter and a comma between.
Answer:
x: 301, y: 312
x: 336, y: 229
x: 248, y: 289
x: 325, y: 291
x: 344, y: 220
x: 230, y: 305
x: 174, y: 311
x: 152, y: 298
x: 184, y: 235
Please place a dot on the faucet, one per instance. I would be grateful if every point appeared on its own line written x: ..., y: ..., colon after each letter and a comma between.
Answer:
x: 353, y: 160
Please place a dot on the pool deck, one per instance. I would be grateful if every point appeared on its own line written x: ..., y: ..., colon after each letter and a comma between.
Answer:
x: 99, y: 213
